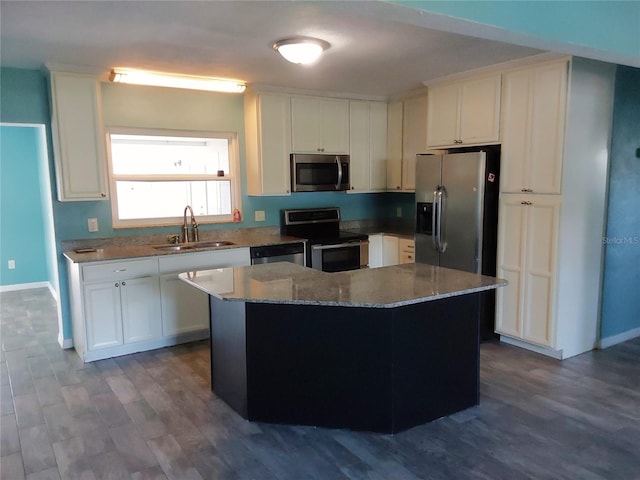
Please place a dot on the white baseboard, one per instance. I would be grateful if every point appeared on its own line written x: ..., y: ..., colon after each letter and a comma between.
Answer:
x: 621, y: 337
x: 26, y: 286
x: 549, y: 352
x: 65, y: 343
x: 53, y: 292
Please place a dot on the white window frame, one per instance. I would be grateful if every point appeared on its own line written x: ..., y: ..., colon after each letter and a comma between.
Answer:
x: 233, y: 175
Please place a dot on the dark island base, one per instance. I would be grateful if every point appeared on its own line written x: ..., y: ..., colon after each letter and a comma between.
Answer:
x: 375, y: 369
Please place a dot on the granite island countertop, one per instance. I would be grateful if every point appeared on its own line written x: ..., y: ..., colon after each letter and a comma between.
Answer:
x: 385, y: 287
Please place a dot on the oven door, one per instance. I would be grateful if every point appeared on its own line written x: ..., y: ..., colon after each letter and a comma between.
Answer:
x: 340, y: 257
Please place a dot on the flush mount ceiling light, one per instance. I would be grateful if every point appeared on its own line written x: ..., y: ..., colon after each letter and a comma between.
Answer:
x: 301, y: 50
x: 158, y: 79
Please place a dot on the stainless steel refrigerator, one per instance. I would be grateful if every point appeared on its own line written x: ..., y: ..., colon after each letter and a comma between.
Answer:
x: 457, y: 213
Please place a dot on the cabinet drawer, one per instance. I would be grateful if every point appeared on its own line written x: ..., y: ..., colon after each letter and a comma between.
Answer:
x: 120, y: 270
x: 406, y: 245
x: 406, y: 257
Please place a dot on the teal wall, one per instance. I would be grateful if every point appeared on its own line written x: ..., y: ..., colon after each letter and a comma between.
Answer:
x: 22, y: 235
x: 609, y: 26
x: 621, y: 286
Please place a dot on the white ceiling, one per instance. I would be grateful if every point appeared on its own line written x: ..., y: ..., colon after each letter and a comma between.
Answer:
x: 377, y: 49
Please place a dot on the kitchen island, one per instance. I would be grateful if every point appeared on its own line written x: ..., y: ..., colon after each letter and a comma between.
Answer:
x: 373, y: 349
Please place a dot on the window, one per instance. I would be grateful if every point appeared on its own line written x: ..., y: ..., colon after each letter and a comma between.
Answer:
x: 154, y: 174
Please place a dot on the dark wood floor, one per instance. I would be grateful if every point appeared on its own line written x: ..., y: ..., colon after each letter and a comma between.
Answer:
x: 152, y: 416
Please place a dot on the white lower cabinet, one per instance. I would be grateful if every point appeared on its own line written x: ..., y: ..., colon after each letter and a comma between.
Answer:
x: 122, y: 312
x: 115, y: 307
x: 387, y: 249
x: 185, y: 310
x: 527, y: 243
x: 128, y: 306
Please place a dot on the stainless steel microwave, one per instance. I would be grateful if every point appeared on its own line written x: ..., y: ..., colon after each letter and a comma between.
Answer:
x: 319, y: 173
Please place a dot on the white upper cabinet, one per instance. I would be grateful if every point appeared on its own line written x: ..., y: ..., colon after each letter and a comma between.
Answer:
x: 78, y: 137
x: 533, y: 120
x: 368, y: 145
x: 414, y: 138
x: 464, y: 113
x: 319, y: 125
x: 268, y: 143
x: 394, y: 145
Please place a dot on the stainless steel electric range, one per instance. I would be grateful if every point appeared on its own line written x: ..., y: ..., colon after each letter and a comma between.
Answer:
x: 328, y: 248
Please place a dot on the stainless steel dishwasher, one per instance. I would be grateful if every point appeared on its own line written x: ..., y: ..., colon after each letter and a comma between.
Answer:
x: 286, y: 252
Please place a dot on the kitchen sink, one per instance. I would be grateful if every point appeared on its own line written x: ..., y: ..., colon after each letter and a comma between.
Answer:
x: 220, y: 243
x: 191, y: 246
x: 175, y: 248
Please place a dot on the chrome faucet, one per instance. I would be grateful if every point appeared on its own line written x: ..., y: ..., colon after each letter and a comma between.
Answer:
x: 185, y: 226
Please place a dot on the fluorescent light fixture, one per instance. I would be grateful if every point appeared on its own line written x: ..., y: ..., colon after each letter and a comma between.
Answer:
x: 158, y: 79
x: 301, y: 50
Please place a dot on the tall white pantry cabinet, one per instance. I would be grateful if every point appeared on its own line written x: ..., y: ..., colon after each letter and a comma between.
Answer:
x: 556, y: 129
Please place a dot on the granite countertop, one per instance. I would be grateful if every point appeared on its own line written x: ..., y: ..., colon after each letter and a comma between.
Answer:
x: 385, y: 287
x: 402, y: 231
x: 239, y: 238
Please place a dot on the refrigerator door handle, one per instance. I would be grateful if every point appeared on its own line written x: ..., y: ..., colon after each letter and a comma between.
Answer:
x: 434, y: 219
x: 441, y: 195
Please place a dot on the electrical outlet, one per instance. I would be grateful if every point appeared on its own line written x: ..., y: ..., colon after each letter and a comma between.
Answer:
x: 399, y: 212
x: 259, y: 215
x: 11, y: 264
x: 93, y: 224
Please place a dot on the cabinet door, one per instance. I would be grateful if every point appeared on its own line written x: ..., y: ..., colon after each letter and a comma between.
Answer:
x: 305, y: 125
x: 375, y: 250
x: 141, y: 316
x: 414, y: 139
x: 394, y: 145
x: 334, y: 126
x: 443, y: 115
x: 368, y: 145
x: 78, y: 137
x: 268, y: 143
x: 514, y: 153
x: 390, y: 250
x: 360, y: 163
x: 378, y: 145
x: 184, y: 308
x: 510, y: 258
x: 540, y: 244
x: 533, y: 118
x: 547, y: 119
x: 480, y: 111
x: 103, y: 316
x: 527, y: 240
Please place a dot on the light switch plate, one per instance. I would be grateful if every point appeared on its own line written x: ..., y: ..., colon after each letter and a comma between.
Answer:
x: 259, y: 215
x: 93, y: 224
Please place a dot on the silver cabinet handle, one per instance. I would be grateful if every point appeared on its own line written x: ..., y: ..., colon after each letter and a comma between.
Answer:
x: 123, y: 284
x: 117, y: 285
x: 120, y: 270
x: 526, y: 190
x: 525, y: 203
